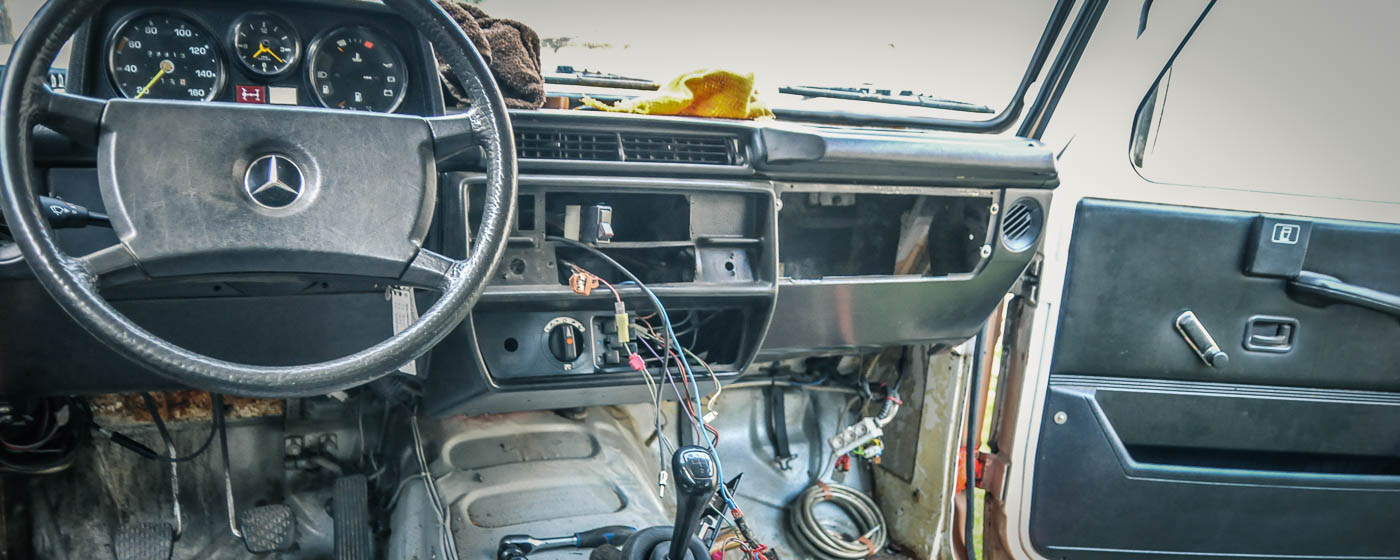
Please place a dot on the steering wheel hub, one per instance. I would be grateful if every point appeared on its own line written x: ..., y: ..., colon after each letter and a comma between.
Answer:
x: 273, y: 181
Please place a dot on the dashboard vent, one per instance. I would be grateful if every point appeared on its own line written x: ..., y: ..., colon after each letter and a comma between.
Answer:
x: 586, y: 146
x: 632, y: 147
x: 1021, y: 224
x: 672, y: 148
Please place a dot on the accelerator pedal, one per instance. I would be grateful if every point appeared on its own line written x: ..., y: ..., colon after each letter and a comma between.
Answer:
x: 268, y: 528
x: 350, y: 510
x: 144, y: 541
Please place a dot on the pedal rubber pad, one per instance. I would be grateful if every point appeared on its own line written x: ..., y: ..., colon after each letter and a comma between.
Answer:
x: 144, y: 541
x: 268, y: 529
x: 350, y: 510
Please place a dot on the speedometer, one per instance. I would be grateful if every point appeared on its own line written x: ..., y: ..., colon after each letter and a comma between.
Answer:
x: 356, y: 68
x: 164, y: 56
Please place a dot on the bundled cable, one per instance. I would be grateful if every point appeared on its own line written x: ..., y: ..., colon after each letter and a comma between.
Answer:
x: 674, y: 348
x: 827, y: 544
x: 47, y: 444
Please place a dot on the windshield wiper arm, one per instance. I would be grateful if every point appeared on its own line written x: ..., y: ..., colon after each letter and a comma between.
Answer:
x: 567, y: 76
x: 884, y: 96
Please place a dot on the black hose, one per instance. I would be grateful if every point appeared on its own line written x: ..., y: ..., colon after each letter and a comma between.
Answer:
x: 970, y: 452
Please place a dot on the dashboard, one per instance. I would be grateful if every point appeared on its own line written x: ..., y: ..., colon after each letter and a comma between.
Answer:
x: 764, y: 240
x: 352, y: 56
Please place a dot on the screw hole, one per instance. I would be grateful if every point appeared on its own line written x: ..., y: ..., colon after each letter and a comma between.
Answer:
x: 517, y: 267
x: 512, y: 345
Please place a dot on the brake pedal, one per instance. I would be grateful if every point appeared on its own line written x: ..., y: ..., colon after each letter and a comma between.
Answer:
x: 144, y: 541
x: 268, y: 528
x: 350, y: 509
x: 153, y: 541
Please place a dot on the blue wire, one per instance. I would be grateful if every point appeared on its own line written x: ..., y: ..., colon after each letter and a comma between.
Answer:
x: 810, y: 383
x: 694, y: 388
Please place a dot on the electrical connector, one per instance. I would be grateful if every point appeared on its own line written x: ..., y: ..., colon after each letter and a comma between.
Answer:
x: 583, y: 283
x: 624, y: 333
x: 635, y: 360
x: 855, y: 435
x: 662, y: 483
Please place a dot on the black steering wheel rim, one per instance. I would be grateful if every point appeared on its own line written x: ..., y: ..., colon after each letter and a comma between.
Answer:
x: 73, y: 281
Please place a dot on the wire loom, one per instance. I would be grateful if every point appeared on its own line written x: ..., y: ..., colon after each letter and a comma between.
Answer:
x: 825, y: 543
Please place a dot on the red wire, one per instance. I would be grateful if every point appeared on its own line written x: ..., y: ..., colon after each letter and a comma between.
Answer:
x: 610, y: 286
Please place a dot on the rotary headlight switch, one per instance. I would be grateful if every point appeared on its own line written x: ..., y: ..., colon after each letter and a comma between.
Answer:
x: 565, y: 339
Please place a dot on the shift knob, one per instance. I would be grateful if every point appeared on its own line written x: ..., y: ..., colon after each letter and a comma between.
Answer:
x: 696, y: 476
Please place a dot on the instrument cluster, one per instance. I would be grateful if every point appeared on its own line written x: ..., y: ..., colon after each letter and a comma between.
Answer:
x: 257, y: 57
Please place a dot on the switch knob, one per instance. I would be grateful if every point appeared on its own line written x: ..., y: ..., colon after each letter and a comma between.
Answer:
x: 565, y: 342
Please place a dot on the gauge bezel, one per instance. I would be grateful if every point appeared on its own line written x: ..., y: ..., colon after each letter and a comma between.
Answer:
x: 254, y: 72
x: 320, y: 38
x: 110, y: 52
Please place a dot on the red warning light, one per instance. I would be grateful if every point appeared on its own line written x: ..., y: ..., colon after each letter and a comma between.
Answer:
x: 369, y: 44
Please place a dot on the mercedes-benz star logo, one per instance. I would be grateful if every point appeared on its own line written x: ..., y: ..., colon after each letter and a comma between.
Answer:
x: 273, y: 181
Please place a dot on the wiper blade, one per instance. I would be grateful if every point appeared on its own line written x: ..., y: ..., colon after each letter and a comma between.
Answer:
x: 567, y: 76
x: 885, y: 96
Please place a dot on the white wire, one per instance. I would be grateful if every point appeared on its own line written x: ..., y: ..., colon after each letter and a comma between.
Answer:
x: 449, y: 542
x: 819, y: 388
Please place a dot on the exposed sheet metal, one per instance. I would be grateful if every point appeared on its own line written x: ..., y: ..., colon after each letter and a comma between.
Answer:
x: 128, y: 408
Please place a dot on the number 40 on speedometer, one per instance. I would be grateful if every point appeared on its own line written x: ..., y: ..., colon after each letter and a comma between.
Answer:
x: 164, y: 56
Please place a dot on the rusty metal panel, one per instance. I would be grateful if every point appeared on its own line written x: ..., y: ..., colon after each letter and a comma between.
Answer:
x: 175, y: 406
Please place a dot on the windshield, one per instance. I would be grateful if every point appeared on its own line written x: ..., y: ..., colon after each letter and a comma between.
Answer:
x: 959, y: 59
x: 970, y: 51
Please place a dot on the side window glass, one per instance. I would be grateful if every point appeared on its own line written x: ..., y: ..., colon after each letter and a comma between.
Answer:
x: 1284, y: 97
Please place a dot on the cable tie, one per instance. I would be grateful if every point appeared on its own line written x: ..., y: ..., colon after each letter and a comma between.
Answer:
x: 826, y: 490
x: 869, y: 546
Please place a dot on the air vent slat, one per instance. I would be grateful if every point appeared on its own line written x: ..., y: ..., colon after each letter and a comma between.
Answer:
x: 588, y: 146
x: 671, y: 148
x: 1020, y: 226
x: 628, y: 147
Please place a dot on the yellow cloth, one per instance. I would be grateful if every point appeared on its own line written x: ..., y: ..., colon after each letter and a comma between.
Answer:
x: 702, y: 93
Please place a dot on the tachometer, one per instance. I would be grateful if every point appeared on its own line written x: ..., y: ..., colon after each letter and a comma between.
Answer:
x: 164, y: 56
x: 356, y: 68
x: 266, y: 44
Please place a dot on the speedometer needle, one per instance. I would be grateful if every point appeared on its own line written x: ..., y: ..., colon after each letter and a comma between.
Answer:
x: 165, y: 67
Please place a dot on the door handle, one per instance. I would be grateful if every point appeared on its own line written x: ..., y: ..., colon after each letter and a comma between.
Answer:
x: 1270, y: 334
x: 1333, y: 289
x: 1276, y: 340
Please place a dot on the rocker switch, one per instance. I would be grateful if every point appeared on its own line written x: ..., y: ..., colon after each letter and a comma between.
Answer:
x: 595, y: 226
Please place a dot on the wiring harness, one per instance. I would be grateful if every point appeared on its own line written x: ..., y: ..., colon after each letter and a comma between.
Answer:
x: 665, y: 347
x: 827, y: 544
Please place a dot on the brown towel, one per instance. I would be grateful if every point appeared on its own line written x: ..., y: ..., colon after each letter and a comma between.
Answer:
x: 511, y: 50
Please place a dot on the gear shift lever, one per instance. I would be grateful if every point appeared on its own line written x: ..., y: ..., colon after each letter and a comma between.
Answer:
x: 696, y: 476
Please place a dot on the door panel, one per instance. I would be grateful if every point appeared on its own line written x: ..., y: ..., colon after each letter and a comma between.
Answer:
x: 1134, y: 267
x: 1148, y: 451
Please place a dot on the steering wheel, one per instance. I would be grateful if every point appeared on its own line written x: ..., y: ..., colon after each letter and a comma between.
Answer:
x: 342, y: 192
